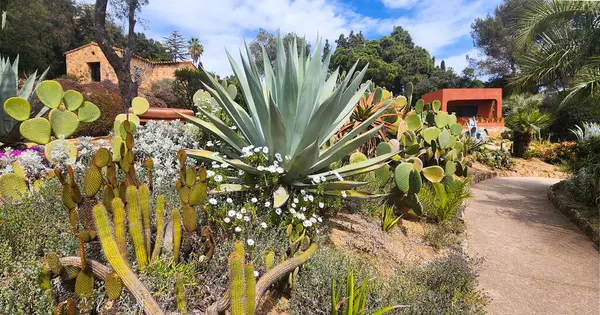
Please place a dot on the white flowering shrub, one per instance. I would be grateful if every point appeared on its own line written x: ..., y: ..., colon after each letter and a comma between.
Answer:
x: 31, y: 160
x: 160, y: 141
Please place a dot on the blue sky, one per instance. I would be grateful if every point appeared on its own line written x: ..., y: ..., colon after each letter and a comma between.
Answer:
x: 440, y: 26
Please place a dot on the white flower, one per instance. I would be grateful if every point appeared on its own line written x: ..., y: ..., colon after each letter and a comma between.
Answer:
x: 278, y: 211
x: 272, y: 169
x: 216, y: 166
x: 278, y: 157
x: 238, y: 216
x: 210, y: 173
x: 321, y: 205
x: 292, y: 210
x: 303, y: 192
x: 344, y: 194
x: 229, y: 200
x: 287, y: 157
x: 224, y: 165
x: 267, y: 204
x: 231, y: 213
x: 303, y: 208
x: 304, y: 198
x: 293, y: 205
x: 246, y: 218
x: 240, y: 172
x: 311, y: 198
x: 212, y: 201
x: 301, y: 216
x: 280, y: 170
x: 227, y: 220
x: 233, y: 127
x: 313, y: 220
x: 263, y: 225
x: 323, y: 179
x: 213, y: 162
x: 296, y: 200
x: 254, y: 200
x: 265, y: 150
x: 256, y: 274
x: 260, y: 168
x: 243, y: 210
x: 316, y: 179
x: 319, y: 219
x: 257, y: 149
x: 238, y: 229
x: 307, y: 223
x: 250, y: 242
x: 339, y: 177
x: 218, y: 178
x: 209, y: 143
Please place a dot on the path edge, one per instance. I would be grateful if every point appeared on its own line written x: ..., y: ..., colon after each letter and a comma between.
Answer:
x: 573, y: 214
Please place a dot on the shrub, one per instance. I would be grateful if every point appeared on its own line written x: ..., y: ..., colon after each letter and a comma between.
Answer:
x: 498, y: 159
x: 443, y: 201
x: 163, y: 90
x: 155, y: 102
x: 573, y: 113
x: 29, y: 231
x: 187, y: 82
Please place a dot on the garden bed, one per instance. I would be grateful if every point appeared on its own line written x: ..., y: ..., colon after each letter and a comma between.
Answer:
x: 584, y: 216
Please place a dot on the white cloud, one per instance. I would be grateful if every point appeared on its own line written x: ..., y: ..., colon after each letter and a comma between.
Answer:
x: 459, y: 62
x: 399, y: 4
x: 433, y: 24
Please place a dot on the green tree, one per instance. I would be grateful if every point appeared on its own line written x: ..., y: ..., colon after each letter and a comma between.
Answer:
x: 443, y: 65
x: 195, y: 49
x: 394, y: 61
x: 561, y: 40
x: 151, y: 49
x: 492, y: 35
x: 326, y: 49
x: 269, y: 41
x: 176, y: 46
x: 39, y: 31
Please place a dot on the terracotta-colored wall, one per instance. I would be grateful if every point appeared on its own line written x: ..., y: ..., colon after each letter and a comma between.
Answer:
x: 147, y: 72
x: 491, y: 96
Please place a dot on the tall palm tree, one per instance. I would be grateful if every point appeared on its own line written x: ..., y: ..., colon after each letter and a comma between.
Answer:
x: 196, y: 49
x: 561, y: 44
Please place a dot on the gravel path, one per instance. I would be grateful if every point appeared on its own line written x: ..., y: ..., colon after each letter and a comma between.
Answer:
x: 536, y: 260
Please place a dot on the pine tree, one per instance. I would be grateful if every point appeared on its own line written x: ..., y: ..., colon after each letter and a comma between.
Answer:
x: 326, y: 49
x: 176, y: 46
x: 443, y: 65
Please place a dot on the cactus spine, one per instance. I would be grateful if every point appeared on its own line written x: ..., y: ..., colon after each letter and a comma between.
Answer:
x: 135, y: 226
x: 180, y: 295
x: 237, y: 283
x: 119, y: 221
x: 118, y: 263
x: 145, y: 207
x: 160, y: 227
x: 176, y: 234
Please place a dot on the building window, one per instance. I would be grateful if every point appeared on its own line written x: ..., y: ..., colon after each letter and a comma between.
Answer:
x: 463, y: 111
x: 95, y: 71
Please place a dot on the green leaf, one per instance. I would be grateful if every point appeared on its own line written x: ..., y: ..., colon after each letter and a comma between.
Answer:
x: 402, y: 176
x: 456, y: 129
x: 72, y: 100
x: 419, y: 106
x: 450, y: 168
x: 88, y: 112
x: 50, y: 93
x: 353, y: 194
x: 442, y: 119
x: 415, y: 182
x: 436, y: 105
x: 444, y: 138
x: 63, y: 122
x: 434, y: 174
x: 228, y: 188
x: 139, y: 105
x: 431, y: 133
x: 17, y: 108
x: 413, y: 120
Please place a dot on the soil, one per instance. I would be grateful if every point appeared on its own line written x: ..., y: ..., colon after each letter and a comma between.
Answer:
x: 533, y: 167
x: 403, y: 244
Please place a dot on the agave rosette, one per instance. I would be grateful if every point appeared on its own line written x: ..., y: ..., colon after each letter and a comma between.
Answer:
x: 293, y: 110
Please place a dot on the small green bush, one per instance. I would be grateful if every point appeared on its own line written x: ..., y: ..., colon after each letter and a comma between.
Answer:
x: 187, y: 82
x: 442, y: 202
x: 163, y: 90
x: 498, y: 159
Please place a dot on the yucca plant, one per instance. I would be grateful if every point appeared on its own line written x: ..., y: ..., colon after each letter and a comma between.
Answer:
x: 293, y: 112
x: 442, y: 202
x: 372, y: 101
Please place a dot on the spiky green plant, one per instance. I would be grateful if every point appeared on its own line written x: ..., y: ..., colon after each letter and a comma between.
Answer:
x: 442, y: 202
x: 9, y: 80
x: 387, y: 219
x: 293, y: 111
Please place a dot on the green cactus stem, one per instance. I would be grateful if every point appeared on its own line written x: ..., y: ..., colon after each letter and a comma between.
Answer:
x: 237, y: 283
x: 180, y: 294
x: 160, y: 227
x: 176, y: 234
x: 145, y: 207
x: 119, y: 222
x: 119, y: 264
x: 250, y: 288
x: 135, y: 227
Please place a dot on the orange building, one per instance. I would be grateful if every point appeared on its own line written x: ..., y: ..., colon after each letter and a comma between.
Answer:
x: 483, y: 103
x: 88, y: 64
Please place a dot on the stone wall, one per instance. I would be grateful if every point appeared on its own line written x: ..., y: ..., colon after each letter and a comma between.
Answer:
x: 144, y: 72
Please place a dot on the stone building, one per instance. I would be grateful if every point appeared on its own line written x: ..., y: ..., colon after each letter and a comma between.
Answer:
x: 88, y: 64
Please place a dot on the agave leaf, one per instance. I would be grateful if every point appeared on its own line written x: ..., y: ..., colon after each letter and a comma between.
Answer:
x: 228, y: 188
x: 278, y: 131
x: 226, y: 130
x: 353, y: 194
x: 210, y: 156
x: 339, y: 185
x: 280, y: 196
x: 360, y: 165
x: 236, y: 143
x: 302, y: 162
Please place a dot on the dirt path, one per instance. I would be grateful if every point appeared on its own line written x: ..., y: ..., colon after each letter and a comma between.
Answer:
x: 536, y: 261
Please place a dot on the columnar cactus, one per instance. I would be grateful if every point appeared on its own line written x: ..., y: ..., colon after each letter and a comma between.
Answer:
x: 134, y: 218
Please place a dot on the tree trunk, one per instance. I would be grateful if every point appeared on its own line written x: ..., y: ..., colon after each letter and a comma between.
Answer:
x: 521, y: 141
x: 121, y: 64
